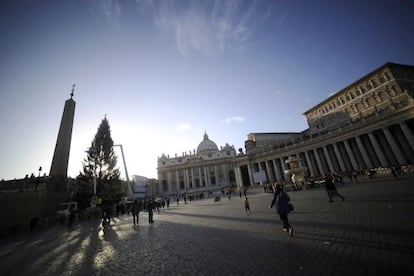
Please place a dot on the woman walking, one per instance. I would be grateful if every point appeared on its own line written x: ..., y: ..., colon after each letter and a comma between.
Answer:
x: 331, y: 188
x: 281, y: 200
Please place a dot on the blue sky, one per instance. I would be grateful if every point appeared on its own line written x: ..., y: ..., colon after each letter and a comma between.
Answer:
x: 166, y: 71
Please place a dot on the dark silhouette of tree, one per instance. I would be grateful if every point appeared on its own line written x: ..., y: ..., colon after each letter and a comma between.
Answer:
x: 101, y: 158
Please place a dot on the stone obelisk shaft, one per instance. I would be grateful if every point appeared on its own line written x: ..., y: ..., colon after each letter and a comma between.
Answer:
x: 60, y: 161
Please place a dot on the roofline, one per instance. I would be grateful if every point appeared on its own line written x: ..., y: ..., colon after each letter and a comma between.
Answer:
x: 274, y: 133
x: 388, y: 64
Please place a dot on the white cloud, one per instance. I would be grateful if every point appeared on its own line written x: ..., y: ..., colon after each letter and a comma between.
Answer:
x: 204, y: 27
x: 184, y: 127
x: 234, y: 119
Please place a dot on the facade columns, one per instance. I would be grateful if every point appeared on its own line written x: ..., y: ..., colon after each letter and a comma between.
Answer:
x: 397, y: 151
x: 268, y: 172
x: 310, y: 167
x: 328, y: 159
x: 177, y: 180
x: 277, y: 170
x: 216, y: 175
x: 364, y: 153
x: 192, y: 178
x: 226, y: 176
x: 206, y: 176
x: 378, y: 150
x: 339, y: 157
x: 408, y: 134
x: 237, y: 175
x: 282, y: 161
x: 318, y: 161
x: 169, y: 186
x: 250, y: 173
x: 351, y: 155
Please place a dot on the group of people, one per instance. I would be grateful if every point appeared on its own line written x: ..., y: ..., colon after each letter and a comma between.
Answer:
x: 280, y: 200
x: 138, y: 206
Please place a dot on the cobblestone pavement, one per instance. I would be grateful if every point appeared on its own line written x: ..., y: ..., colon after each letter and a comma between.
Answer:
x: 370, y: 233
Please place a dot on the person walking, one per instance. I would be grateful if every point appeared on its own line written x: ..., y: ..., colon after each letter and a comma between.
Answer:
x: 247, y: 205
x: 331, y: 188
x: 71, y: 218
x: 150, y: 211
x: 135, y: 212
x: 281, y: 200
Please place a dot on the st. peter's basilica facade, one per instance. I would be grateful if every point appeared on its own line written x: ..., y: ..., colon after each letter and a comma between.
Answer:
x: 368, y: 125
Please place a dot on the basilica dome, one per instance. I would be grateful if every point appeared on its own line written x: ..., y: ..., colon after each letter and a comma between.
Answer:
x: 206, y: 146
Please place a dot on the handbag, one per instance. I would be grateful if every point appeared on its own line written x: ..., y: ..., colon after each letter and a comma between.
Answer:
x: 290, y: 207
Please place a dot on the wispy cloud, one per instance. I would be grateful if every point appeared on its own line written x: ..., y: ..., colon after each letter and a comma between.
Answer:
x: 184, y: 127
x: 208, y: 27
x: 234, y: 119
x: 111, y: 10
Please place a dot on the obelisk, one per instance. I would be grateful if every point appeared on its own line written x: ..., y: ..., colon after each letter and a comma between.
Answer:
x: 59, y: 167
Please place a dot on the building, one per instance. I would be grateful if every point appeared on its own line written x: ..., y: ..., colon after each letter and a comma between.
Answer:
x: 206, y: 170
x: 139, y: 188
x: 367, y: 125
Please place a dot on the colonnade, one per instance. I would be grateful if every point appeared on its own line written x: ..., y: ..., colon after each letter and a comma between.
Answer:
x: 203, y: 177
x: 383, y: 147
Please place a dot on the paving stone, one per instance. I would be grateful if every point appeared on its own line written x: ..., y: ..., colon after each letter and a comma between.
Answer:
x: 370, y: 233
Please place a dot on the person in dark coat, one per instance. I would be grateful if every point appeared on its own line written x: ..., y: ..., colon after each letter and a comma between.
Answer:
x: 135, y: 212
x: 150, y: 207
x: 331, y: 188
x: 281, y: 200
x: 72, y: 215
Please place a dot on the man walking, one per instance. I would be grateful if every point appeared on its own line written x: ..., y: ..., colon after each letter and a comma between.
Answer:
x: 135, y: 212
x: 331, y: 189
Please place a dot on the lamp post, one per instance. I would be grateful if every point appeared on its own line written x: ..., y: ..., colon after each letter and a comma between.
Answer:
x: 126, y: 171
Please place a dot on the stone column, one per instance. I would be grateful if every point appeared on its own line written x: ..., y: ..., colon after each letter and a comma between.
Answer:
x: 383, y: 160
x: 277, y: 170
x: 250, y: 174
x: 394, y: 147
x: 310, y: 166
x: 177, y: 180
x: 216, y: 175
x: 186, y: 178
x: 169, y: 186
x: 328, y: 159
x: 200, y: 177
x: 192, y: 178
x: 364, y: 153
x: 318, y: 161
x: 207, y: 175
x: 268, y: 172
x: 339, y: 157
x: 237, y: 173
x: 351, y: 155
x: 408, y: 134
x: 282, y: 162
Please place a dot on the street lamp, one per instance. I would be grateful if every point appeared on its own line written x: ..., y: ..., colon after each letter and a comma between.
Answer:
x: 126, y: 172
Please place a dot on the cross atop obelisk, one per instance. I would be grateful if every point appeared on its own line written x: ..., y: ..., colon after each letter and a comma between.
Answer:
x: 73, y: 90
